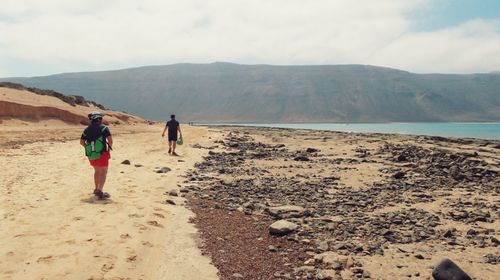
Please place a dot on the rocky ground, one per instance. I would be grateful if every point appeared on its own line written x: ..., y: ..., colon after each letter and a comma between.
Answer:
x: 285, y: 204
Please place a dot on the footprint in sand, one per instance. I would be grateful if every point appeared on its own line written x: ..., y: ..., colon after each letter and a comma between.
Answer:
x: 147, y: 244
x: 132, y: 258
x: 159, y: 215
x: 46, y: 259
x: 160, y: 209
x: 154, y: 223
x: 107, y: 267
x: 134, y: 215
x: 125, y: 236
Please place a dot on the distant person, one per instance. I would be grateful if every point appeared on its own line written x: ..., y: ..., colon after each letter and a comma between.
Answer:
x: 173, y: 127
x: 97, y: 141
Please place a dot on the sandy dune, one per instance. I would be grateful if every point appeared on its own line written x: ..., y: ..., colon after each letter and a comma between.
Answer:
x: 23, y: 105
x: 54, y: 228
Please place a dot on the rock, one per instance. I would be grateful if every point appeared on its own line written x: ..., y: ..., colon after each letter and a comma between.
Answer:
x: 312, y: 150
x: 126, y: 162
x: 326, y: 274
x: 448, y: 233
x: 138, y: 165
x: 286, y: 211
x: 163, y: 170
x: 471, y: 232
x: 337, y: 266
x: 419, y: 256
x: 492, y: 259
x: 196, y: 146
x: 401, y: 158
x: 398, y: 175
x: 340, y: 246
x: 237, y: 276
x: 171, y: 202
x: 301, y: 158
x: 271, y: 248
x: 323, y: 245
x: 448, y: 270
x: 282, y: 227
x: 173, y: 193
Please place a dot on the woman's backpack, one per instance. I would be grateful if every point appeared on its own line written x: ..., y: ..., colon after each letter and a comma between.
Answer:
x: 94, y: 148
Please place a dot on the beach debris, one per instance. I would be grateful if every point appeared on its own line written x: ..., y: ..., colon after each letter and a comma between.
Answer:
x: 138, y: 165
x: 282, y: 227
x: 448, y: 270
x: 126, y: 162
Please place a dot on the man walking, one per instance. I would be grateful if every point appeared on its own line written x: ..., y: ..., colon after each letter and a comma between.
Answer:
x: 172, y: 126
x: 97, y: 141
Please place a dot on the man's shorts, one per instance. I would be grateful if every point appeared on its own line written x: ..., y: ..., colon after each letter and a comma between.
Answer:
x: 172, y: 136
x: 103, y: 161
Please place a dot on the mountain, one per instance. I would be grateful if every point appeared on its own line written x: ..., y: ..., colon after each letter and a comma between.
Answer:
x: 226, y: 92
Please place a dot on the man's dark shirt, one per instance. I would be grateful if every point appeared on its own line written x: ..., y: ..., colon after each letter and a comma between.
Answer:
x: 172, y: 130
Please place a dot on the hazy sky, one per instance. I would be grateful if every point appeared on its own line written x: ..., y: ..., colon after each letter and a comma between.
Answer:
x: 52, y: 36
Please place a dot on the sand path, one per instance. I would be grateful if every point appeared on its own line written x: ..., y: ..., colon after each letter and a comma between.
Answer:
x: 52, y: 227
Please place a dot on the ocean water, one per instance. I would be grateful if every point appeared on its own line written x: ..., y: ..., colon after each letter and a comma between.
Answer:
x: 456, y: 130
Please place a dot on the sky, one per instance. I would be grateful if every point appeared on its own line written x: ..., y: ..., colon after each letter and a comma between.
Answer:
x: 422, y: 36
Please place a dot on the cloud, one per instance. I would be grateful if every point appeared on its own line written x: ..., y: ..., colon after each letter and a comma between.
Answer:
x: 91, y: 35
x: 473, y: 46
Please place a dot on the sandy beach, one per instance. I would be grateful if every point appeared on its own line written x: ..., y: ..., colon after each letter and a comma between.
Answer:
x: 54, y: 228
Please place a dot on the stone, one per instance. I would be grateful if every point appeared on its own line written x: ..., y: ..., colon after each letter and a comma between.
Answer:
x: 301, y: 158
x: 173, y: 193
x: 163, y: 170
x: 171, y: 202
x: 326, y: 274
x: 398, y: 175
x: 419, y: 256
x: 237, y: 276
x: 312, y: 150
x: 271, y: 248
x: 126, y: 162
x: 340, y: 246
x: 448, y: 233
x: 282, y: 227
x: 286, y: 211
x: 196, y: 146
x: 492, y: 259
x: 471, y: 232
x: 448, y: 270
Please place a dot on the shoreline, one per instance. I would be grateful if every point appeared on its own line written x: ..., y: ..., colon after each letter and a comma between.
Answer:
x: 432, y: 137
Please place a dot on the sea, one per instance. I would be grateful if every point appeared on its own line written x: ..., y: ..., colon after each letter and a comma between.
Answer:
x: 490, y: 131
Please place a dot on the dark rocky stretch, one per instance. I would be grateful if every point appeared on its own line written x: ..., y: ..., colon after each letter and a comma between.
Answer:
x: 236, y: 199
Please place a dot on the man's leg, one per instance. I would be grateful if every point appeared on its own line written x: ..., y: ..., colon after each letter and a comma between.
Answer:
x: 96, y: 177
x: 169, y: 146
x: 174, y: 144
x: 102, y: 176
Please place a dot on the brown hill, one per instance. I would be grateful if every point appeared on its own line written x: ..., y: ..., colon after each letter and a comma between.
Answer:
x: 35, y: 105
